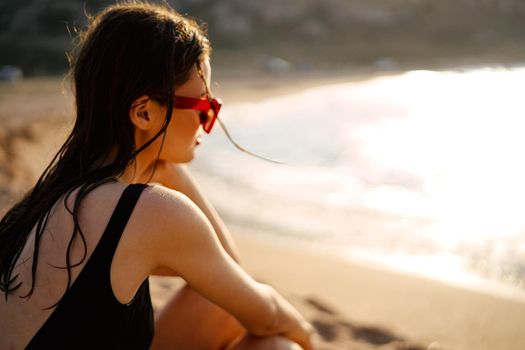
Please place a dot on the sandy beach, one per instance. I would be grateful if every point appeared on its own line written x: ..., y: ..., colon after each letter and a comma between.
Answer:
x: 351, y: 305
x: 387, y: 302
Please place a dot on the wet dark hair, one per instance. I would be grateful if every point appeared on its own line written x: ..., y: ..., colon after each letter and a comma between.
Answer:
x: 128, y: 50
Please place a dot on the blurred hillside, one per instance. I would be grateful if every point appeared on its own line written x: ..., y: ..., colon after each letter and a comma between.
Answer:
x: 309, y: 33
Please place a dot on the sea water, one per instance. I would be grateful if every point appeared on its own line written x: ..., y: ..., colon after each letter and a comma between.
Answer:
x: 421, y: 172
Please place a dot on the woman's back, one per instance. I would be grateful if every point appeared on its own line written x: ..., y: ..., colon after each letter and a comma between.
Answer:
x: 21, y: 319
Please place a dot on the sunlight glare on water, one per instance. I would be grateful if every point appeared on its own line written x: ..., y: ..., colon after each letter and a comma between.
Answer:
x: 421, y: 166
x: 463, y: 137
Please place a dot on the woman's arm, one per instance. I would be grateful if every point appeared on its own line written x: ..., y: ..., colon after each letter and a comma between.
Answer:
x: 180, y: 237
x: 178, y: 177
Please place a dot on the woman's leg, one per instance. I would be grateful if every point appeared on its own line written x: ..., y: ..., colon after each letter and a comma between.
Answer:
x: 190, y: 321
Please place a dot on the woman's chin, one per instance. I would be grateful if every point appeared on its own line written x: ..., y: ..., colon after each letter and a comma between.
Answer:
x: 179, y: 157
x: 186, y: 158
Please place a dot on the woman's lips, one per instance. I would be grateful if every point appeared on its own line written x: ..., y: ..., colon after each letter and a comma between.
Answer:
x: 198, y: 140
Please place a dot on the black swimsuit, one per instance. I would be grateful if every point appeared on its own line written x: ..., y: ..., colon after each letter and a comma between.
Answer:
x: 89, y: 316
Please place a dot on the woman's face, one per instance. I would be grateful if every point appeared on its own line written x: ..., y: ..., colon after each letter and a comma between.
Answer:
x: 184, y: 131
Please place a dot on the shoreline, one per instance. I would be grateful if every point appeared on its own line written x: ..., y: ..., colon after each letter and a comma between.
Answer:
x: 475, y: 284
x: 253, y: 86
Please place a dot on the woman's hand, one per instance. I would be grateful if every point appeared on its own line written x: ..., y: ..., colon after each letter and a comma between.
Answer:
x: 290, y: 323
x: 302, y: 335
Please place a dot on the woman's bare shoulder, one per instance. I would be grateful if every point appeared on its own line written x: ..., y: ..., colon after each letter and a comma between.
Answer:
x: 160, y: 200
x: 171, y: 227
x: 170, y: 212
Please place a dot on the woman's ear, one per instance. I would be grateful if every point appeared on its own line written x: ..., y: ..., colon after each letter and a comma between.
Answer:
x: 140, y: 114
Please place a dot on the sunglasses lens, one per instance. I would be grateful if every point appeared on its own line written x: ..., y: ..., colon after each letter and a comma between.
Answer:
x: 203, y: 118
x: 207, y: 120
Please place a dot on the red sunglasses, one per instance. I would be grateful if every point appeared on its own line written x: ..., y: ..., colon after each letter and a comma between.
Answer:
x: 209, y: 109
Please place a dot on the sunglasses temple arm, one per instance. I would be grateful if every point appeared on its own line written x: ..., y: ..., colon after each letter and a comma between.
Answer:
x: 239, y: 147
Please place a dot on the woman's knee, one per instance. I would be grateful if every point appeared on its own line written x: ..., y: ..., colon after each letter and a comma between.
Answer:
x: 276, y: 342
x: 189, y: 321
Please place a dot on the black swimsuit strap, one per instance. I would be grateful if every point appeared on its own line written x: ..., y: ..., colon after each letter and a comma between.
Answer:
x: 89, y: 315
x: 103, y: 254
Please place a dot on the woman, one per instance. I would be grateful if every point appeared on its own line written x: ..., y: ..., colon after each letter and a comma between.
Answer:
x: 77, y: 250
